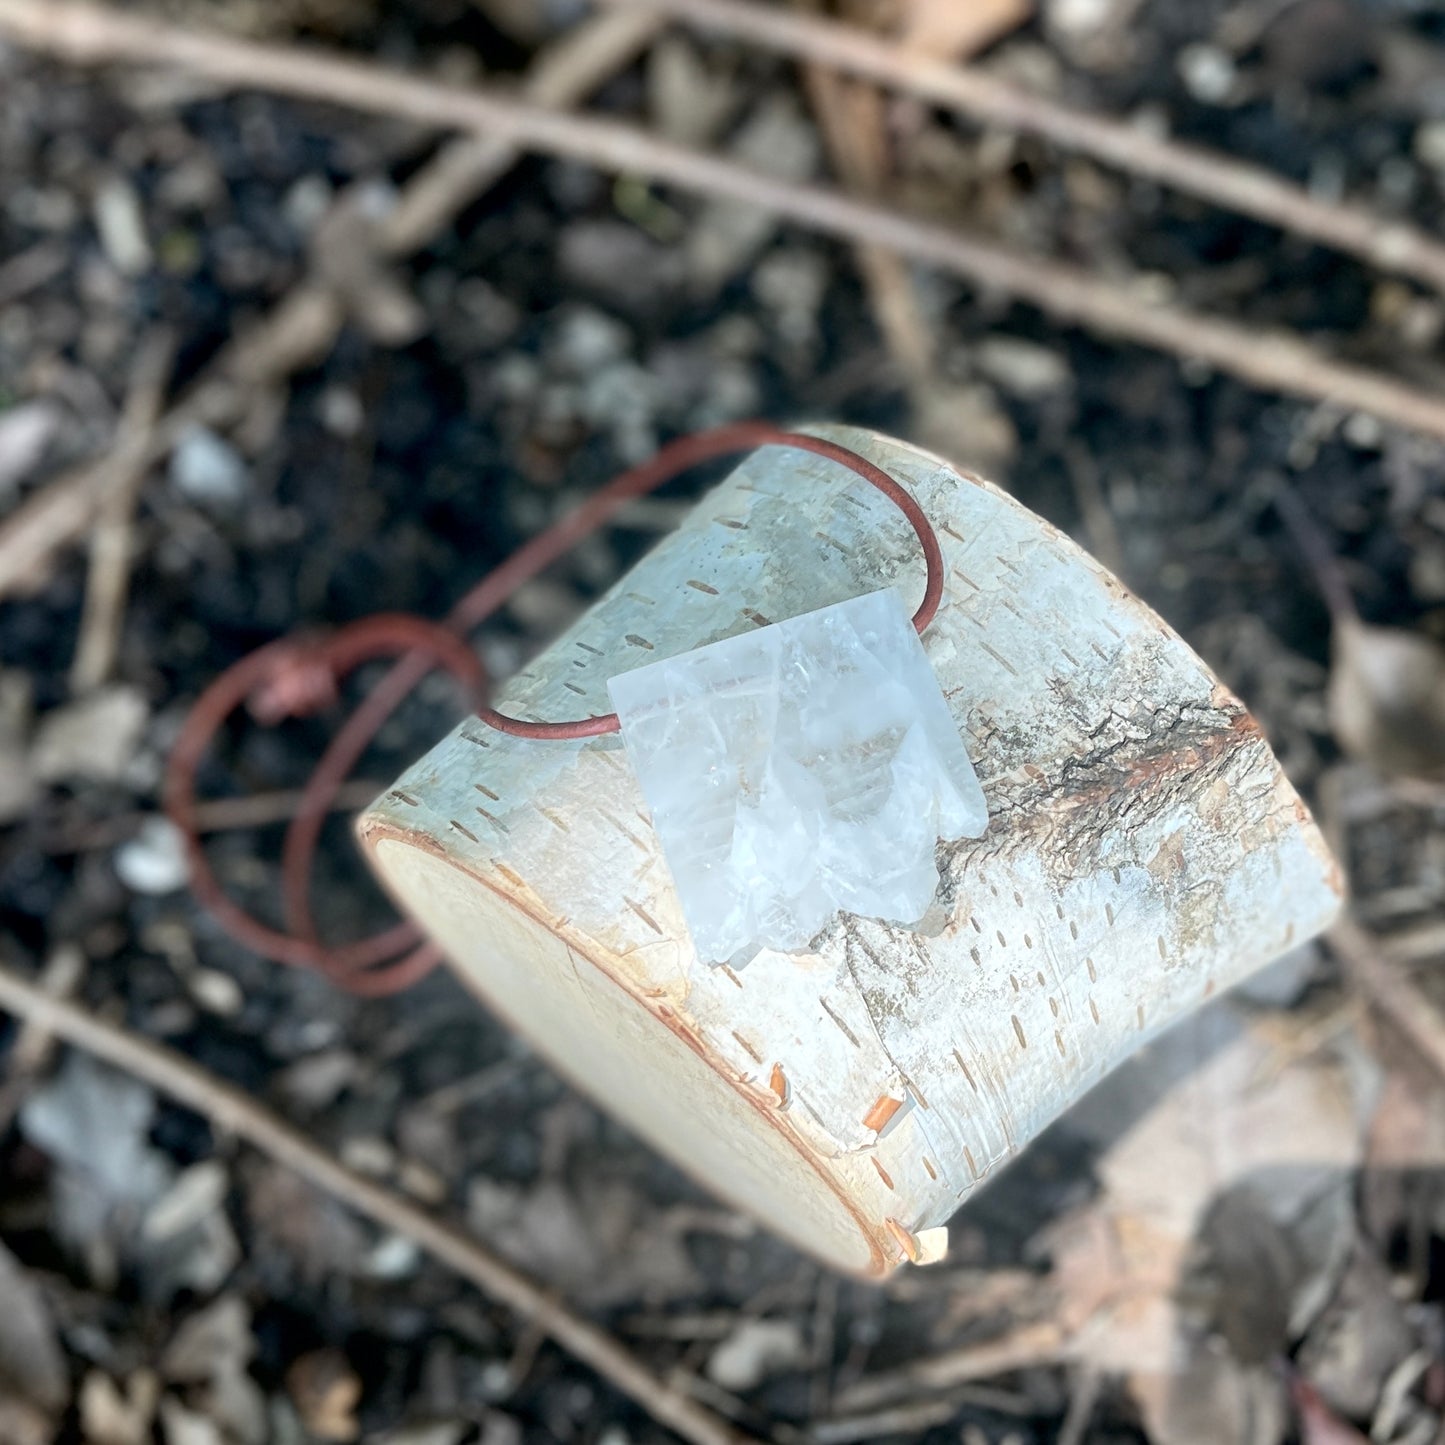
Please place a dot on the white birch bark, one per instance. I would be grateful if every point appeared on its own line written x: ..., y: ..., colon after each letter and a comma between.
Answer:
x: 1144, y: 851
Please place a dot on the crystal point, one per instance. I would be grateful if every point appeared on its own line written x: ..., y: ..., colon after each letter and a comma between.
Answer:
x: 805, y: 768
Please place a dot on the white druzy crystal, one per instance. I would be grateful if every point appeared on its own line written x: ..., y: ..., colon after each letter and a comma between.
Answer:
x: 804, y: 768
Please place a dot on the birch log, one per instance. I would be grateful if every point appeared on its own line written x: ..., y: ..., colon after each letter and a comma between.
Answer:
x: 1144, y: 851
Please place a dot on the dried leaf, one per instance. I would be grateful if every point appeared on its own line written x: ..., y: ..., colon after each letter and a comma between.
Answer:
x: 24, y: 1424
x: 94, y: 1124
x: 1215, y: 1400
x: 95, y: 737
x: 25, y: 433
x: 690, y: 101
x: 1386, y: 693
x: 211, y: 1350
x: 325, y: 1390
x: 755, y: 1350
x: 1387, y: 698
x: 112, y: 1416
x: 1214, y: 1114
x: 1359, y: 1340
x: 31, y: 1360
x: 1319, y: 1425
x: 185, y: 1427
x: 213, y: 1341
x: 952, y: 30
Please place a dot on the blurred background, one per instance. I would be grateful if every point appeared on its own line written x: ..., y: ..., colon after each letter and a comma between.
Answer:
x: 269, y: 362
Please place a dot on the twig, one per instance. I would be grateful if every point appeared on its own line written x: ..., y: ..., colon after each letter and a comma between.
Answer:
x: 1390, y: 990
x: 1083, y: 1399
x: 850, y: 116
x: 1221, y: 180
x: 302, y: 327
x: 228, y: 1109
x: 103, y: 613
x: 1098, y: 516
x: 909, y: 1419
x: 825, y: 1317
x: 1273, y: 361
x: 565, y: 73
x: 1322, y: 561
x: 213, y: 815
x: 1425, y: 943
x: 61, y: 511
x: 1040, y: 1343
x: 61, y: 977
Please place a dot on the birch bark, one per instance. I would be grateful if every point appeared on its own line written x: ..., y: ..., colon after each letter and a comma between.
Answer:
x: 1144, y: 851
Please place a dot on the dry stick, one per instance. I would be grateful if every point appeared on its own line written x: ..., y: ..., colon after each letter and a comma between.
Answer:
x: 103, y: 613
x: 56, y: 515
x: 850, y: 117
x: 228, y: 1109
x: 1270, y: 360
x: 1221, y: 180
x: 29, y: 1054
x: 303, y: 326
x: 565, y: 73
x: 213, y: 815
x: 1391, y: 990
x: 1041, y: 1343
x: 909, y: 1419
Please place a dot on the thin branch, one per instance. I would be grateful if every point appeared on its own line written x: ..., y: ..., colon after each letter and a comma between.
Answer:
x: 568, y: 71
x: 61, y: 976
x: 1042, y: 1342
x: 1273, y: 361
x: 909, y: 1419
x: 111, y: 542
x: 1322, y: 562
x: 234, y: 1112
x: 851, y: 119
x: 1221, y: 180
x: 213, y: 815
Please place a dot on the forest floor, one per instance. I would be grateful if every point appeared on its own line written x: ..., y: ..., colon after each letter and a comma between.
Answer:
x: 162, y: 1282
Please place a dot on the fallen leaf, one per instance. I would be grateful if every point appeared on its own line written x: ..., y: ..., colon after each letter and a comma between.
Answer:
x: 1319, y: 1425
x: 212, y: 1341
x: 726, y: 236
x: 321, y: 1238
x: 583, y: 1241
x: 1359, y: 1340
x: 211, y: 1351
x: 94, y: 738
x: 112, y: 1416
x: 25, y: 1424
x: 755, y: 1350
x: 1215, y: 1400
x: 94, y: 1125
x: 1387, y: 698
x: 1213, y: 1115
x: 26, y: 431
x: 325, y: 1390
x: 185, y: 1427
x: 952, y: 30
x: 1386, y: 695
x: 690, y: 100
x: 31, y: 1360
